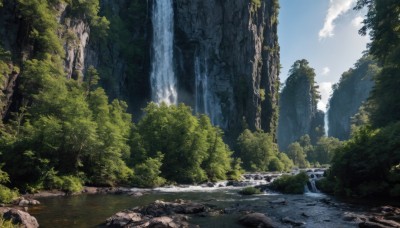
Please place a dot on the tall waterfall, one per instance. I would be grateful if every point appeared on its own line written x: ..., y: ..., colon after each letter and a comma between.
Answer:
x: 205, y: 100
x: 162, y: 77
x: 326, y: 122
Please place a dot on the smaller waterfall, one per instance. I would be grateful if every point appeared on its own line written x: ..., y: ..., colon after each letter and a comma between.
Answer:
x: 205, y: 100
x: 326, y: 121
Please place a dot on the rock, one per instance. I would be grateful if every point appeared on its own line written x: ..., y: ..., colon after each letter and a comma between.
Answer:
x: 210, y: 184
x: 348, y: 96
x: 158, y: 214
x: 34, y: 202
x: 123, y: 218
x: 368, y: 224
x: 19, y: 217
x: 23, y: 203
x: 381, y: 220
x: 168, y: 222
x: 351, y: 217
x: 293, y: 222
x: 279, y: 201
x: 304, y: 215
x: 257, y: 220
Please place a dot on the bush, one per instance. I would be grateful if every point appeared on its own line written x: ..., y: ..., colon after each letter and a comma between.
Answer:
x: 250, y: 191
x: 7, y: 195
x: 71, y: 184
x: 7, y: 223
x: 147, y: 173
x: 325, y: 185
x: 290, y: 184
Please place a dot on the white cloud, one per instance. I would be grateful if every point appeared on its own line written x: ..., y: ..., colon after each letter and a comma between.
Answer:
x: 336, y: 8
x: 325, y: 71
x: 357, y: 22
x: 325, y: 89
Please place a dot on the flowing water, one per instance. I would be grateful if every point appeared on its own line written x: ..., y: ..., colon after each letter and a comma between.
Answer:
x: 205, y: 101
x: 93, y: 210
x: 162, y: 77
x: 326, y: 122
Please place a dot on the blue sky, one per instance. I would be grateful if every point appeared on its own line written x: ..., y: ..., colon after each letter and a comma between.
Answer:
x: 325, y: 32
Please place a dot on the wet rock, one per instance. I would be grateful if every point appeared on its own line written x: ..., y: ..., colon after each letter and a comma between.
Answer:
x: 292, y: 221
x: 23, y: 203
x: 304, y: 215
x: 158, y: 214
x: 351, y: 217
x: 279, y: 201
x: 19, y: 217
x: 381, y: 220
x: 368, y: 224
x: 257, y: 220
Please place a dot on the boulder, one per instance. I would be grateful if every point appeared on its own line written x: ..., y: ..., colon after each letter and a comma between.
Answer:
x: 19, y: 217
x: 293, y: 222
x: 257, y: 220
x: 278, y: 201
x: 158, y: 214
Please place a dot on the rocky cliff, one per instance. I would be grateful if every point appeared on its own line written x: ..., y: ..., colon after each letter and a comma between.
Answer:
x: 348, y: 95
x: 298, y: 114
x: 226, y: 55
x: 227, y: 61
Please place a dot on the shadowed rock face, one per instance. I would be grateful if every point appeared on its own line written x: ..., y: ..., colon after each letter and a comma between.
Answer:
x: 234, y: 45
x: 226, y: 56
x: 349, y: 94
x: 298, y: 114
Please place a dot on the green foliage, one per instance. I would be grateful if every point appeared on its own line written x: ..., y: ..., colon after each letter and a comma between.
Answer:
x: 256, y: 150
x: 147, y: 174
x: 383, y: 26
x: 296, y: 153
x: 6, y: 194
x: 7, y: 223
x: 193, y: 149
x: 325, y: 149
x: 250, y: 191
x: 256, y: 3
x: 67, y: 130
x: 368, y: 163
x: 71, y: 184
x: 236, y: 171
x: 40, y: 18
x: 290, y: 184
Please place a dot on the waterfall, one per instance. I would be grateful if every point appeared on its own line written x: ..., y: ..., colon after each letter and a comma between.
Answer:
x: 201, y: 81
x: 162, y: 77
x: 205, y: 100
x: 326, y: 122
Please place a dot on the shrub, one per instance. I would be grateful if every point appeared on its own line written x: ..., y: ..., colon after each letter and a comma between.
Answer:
x: 250, y: 191
x: 7, y: 223
x: 290, y: 184
x: 7, y: 195
x: 71, y: 184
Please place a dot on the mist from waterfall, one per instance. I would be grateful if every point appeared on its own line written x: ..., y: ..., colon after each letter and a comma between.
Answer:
x: 162, y: 76
x: 205, y: 101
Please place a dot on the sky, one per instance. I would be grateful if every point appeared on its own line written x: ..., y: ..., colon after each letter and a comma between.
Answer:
x: 325, y: 32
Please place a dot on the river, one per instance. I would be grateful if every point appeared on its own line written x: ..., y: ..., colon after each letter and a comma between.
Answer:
x: 314, y: 209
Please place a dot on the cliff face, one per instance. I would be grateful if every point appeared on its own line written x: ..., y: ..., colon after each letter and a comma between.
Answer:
x: 348, y: 95
x: 227, y: 61
x: 298, y: 114
x: 226, y: 56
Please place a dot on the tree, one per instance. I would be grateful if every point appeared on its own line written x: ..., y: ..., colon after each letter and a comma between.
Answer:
x: 256, y: 149
x: 382, y: 23
x: 296, y: 153
x: 193, y: 149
